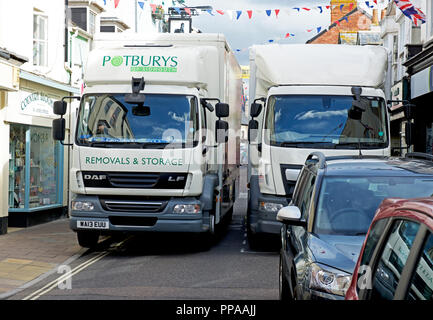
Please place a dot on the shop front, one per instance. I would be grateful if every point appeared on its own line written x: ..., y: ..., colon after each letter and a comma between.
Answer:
x: 38, y: 165
x: 420, y: 70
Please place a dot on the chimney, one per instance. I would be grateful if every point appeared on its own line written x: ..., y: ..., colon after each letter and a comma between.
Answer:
x: 375, y: 20
x: 338, y: 12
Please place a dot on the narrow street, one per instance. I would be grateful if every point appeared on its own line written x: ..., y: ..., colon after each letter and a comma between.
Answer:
x: 171, y: 267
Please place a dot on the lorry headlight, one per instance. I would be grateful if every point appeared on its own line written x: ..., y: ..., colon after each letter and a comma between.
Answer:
x: 82, y: 206
x: 330, y: 280
x: 187, y: 208
x: 270, y: 206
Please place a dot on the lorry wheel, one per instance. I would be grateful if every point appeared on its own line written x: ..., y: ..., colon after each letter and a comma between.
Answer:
x: 87, y: 239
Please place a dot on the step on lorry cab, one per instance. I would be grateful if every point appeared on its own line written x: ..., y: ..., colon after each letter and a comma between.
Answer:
x: 307, y: 98
x: 150, y: 149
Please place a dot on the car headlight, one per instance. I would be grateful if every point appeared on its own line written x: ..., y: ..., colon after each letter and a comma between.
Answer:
x: 82, y: 206
x: 329, y: 280
x: 187, y: 208
x: 270, y: 206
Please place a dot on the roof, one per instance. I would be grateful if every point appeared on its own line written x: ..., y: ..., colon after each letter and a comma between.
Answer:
x: 410, y: 208
x: 339, y: 20
x: 9, y: 55
x: 378, y: 167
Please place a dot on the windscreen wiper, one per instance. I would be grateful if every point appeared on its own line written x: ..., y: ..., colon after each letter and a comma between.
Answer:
x: 301, y: 144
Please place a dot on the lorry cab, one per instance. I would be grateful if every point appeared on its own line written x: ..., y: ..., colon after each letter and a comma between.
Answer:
x: 298, y: 108
x: 147, y: 155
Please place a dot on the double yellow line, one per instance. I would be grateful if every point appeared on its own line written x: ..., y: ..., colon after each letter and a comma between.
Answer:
x: 55, y: 283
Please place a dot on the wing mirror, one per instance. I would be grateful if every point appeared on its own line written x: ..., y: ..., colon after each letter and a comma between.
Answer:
x: 291, y: 215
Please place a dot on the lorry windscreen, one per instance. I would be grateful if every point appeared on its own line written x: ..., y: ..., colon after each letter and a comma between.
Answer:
x: 106, y: 120
x: 313, y: 121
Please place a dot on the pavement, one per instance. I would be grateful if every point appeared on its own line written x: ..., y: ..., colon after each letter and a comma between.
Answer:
x: 31, y: 254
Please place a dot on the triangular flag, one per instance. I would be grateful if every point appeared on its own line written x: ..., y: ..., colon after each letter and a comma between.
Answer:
x: 230, y: 14
x: 116, y: 3
x: 221, y: 12
x: 105, y: 2
x: 319, y: 29
x: 287, y: 35
x: 268, y: 12
x: 270, y: 40
x: 299, y: 9
x: 177, y: 10
x: 328, y: 7
x: 210, y: 12
x: 337, y: 22
x: 238, y: 14
x: 277, y: 11
x: 320, y: 8
x: 309, y: 30
x: 187, y: 10
x: 341, y: 7
x: 153, y: 6
x: 141, y: 4
x: 351, y: 7
x: 346, y: 18
x: 306, y: 9
x: 250, y: 13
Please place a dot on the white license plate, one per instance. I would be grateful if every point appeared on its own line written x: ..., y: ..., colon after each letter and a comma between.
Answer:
x: 92, y: 224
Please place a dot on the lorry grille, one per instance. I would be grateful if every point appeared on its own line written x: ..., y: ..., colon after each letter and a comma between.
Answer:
x: 130, y: 204
x: 289, y: 184
x: 134, y: 180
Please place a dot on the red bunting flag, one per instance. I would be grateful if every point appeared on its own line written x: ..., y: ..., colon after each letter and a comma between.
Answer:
x: 116, y: 3
x: 277, y: 11
x: 220, y: 12
x: 153, y: 6
x: 350, y: 7
x: 287, y: 35
x: 187, y: 10
x: 375, y: 1
x: 337, y: 22
x: 310, y: 30
x: 327, y: 7
x: 306, y: 9
x: 250, y: 13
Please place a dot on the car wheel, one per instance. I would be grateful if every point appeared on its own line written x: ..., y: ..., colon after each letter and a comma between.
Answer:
x: 284, y: 289
x: 87, y: 239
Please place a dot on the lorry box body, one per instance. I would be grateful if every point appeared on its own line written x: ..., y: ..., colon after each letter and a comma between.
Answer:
x: 308, y: 93
x: 157, y: 165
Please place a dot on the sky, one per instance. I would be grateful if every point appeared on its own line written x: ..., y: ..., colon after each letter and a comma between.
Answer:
x: 243, y: 33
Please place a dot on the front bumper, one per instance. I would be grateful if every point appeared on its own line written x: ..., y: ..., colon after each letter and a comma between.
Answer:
x: 162, y: 221
x: 262, y: 221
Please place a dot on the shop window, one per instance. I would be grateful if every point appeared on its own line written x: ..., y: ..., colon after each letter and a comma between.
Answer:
x: 35, y: 168
x: 40, y: 40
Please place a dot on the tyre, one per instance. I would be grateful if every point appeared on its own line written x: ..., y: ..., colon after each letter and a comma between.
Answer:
x: 87, y: 239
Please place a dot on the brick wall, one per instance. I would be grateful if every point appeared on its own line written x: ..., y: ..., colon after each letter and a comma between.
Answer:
x: 357, y: 21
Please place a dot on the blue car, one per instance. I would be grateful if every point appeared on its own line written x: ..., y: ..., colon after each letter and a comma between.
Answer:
x: 334, y: 202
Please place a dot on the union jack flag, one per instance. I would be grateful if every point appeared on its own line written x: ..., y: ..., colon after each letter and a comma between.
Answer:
x: 409, y: 10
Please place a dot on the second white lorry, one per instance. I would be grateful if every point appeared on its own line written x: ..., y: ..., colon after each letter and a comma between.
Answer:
x: 305, y: 98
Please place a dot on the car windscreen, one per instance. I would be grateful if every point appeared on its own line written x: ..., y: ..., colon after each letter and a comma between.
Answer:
x: 317, y: 121
x: 106, y: 120
x: 346, y: 205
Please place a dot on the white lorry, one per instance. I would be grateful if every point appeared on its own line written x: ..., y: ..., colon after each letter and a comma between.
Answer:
x: 304, y: 98
x: 145, y: 152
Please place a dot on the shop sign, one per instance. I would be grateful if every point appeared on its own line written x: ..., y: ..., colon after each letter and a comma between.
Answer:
x: 37, y: 104
x: 422, y: 83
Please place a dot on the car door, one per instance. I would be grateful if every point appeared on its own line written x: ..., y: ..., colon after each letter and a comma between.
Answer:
x: 393, y: 260
x: 298, y: 234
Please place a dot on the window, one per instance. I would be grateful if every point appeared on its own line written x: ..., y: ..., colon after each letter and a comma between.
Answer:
x: 107, y: 29
x: 79, y: 17
x: 393, y: 259
x: 40, y: 40
x: 373, y: 238
x: 305, y: 199
x: 35, y: 168
x: 421, y: 287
